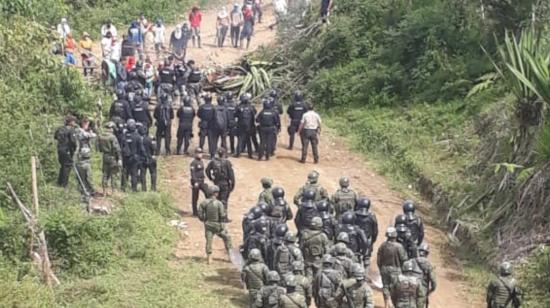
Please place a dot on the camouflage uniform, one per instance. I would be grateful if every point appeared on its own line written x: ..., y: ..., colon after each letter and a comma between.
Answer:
x: 292, y: 300
x: 269, y: 296
x: 502, y: 292
x: 405, y: 291
x: 343, y: 200
x: 254, y: 276
x: 314, y: 244
x: 212, y: 213
x: 390, y: 258
x: 356, y: 291
x: 324, y: 287
x: 109, y: 146
x: 84, y: 159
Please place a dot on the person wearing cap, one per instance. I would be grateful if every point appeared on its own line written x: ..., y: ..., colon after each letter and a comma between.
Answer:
x: 222, y: 25
x: 355, y: 292
x: 292, y: 299
x: 195, y: 19
x: 85, y: 46
x: 237, y: 19
x: 266, y: 194
x: 309, y: 131
x: 390, y: 258
x: 63, y: 28
x: 196, y: 170
x: 66, y: 147
x: 159, y: 32
x: 213, y: 215
x: 503, y: 291
x: 108, y: 145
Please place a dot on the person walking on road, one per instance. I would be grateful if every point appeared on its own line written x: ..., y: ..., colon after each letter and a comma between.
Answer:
x: 197, y: 180
x: 214, y: 216
x: 236, y: 23
x: 309, y: 130
x: 220, y: 171
x: 195, y: 19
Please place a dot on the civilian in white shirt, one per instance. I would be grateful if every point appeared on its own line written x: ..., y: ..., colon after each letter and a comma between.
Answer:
x: 108, y: 27
x: 107, y: 45
x: 310, y: 129
x: 159, y: 32
x: 63, y: 28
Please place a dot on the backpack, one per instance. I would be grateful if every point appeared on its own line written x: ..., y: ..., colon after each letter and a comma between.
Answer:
x: 220, y: 118
x: 218, y: 170
x: 284, y: 259
x: 195, y: 76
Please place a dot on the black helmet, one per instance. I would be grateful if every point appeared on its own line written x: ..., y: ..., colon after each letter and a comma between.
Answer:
x: 142, y: 129
x: 278, y: 192
x: 221, y: 152
x: 323, y: 206
x: 363, y: 206
x: 132, y: 75
x: 281, y: 230
x: 298, y: 96
x: 263, y: 206
x: 131, y: 125
x: 261, y: 225
x: 221, y: 100
x: 120, y: 93
x: 255, y: 213
x: 400, y: 219
x: 228, y: 95
x: 273, y: 93
x: 408, y: 207
x: 246, y: 97
x: 348, y: 218
x: 309, y: 194
x: 267, y: 103
x: 187, y: 100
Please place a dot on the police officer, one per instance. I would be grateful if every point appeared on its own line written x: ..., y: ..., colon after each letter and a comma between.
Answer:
x: 502, y: 291
x: 246, y: 113
x: 366, y: 221
x: 180, y: 71
x: 344, y: 199
x: 295, y: 112
x: 269, y: 124
x: 329, y: 222
x: 405, y: 289
x: 232, y: 127
x: 107, y: 144
x: 140, y: 110
x: 213, y: 215
x: 270, y: 294
x: 314, y: 244
x: 306, y: 212
x: 312, y: 183
x: 355, y: 292
x: 277, y: 240
x: 259, y: 239
x: 197, y: 179
x: 186, y: 115
x: 253, y: 215
x: 279, y: 210
x: 390, y: 258
x: 254, y: 274
x: 120, y: 107
x: 413, y: 222
x: 266, y: 195
x: 84, y: 136
x: 309, y: 130
x: 66, y: 147
x: 325, y: 284
x: 164, y: 114
x: 358, y: 240
x: 404, y: 236
x: 217, y: 127
x: 130, y: 155
x: 278, y: 106
x: 292, y: 299
x: 194, y: 78
x: 220, y: 171
x: 148, y: 161
x: 166, y: 79
x: 206, y: 114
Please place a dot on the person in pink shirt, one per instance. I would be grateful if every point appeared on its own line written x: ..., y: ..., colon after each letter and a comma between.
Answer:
x: 195, y: 18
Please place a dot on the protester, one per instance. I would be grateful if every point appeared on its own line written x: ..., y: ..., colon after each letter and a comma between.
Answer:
x: 236, y: 23
x: 222, y: 24
x: 248, y: 26
x: 70, y: 48
x: 195, y: 19
x: 158, y: 31
x: 86, y: 45
x: 63, y: 29
x: 108, y: 27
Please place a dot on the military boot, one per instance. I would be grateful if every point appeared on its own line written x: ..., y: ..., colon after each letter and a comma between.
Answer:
x: 208, y: 258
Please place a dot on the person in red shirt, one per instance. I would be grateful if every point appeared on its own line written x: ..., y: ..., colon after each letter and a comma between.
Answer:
x: 195, y: 18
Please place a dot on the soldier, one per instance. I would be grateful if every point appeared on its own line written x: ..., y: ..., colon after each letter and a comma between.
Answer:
x: 329, y: 222
x: 287, y: 253
x: 344, y: 199
x: 186, y: 115
x: 307, y: 212
x: 303, y: 283
x: 130, y: 155
x: 405, y: 288
x: 270, y: 294
x: 266, y: 194
x: 197, y: 180
x: 259, y: 239
x: 279, y: 211
x: 232, y: 127
x: 269, y: 125
x: 108, y: 144
x: 246, y: 113
x: 314, y: 244
x: 366, y: 221
x: 254, y: 274
x: 355, y: 292
x: 295, y: 112
x: 164, y: 114
x: 66, y: 147
x: 343, y: 238
x: 312, y: 183
x: 213, y: 215
x: 276, y: 241
x: 502, y: 291
x: 220, y: 171
x: 253, y: 215
x: 120, y: 107
x: 292, y: 299
x: 427, y: 274
x: 205, y: 114
x: 342, y: 263
x: 413, y: 222
x: 390, y: 258
x: 309, y: 130
x: 84, y: 136
x: 358, y: 240
x: 148, y: 161
x: 404, y: 236
x: 217, y: 127
x: 325, y: 284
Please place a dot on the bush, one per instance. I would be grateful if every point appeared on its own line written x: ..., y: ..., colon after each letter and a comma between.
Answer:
x: 535, y: 279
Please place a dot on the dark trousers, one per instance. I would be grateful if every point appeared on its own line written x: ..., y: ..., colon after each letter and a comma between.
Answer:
x: 310, y: 136
x: 214, y: 136
x: 223, y: 196
x: 184, y: 138
x: 235, y: 31
x: 152, y: 167
x: 202, y: 137
x: 130, y: 169
x: 66, y: 163
x: 292, y: 129
x: 267, y: 137
x: 245, y: 141
x: 197, y: 187
x: 222, y: 33
x: 164, y: 132
x: 232, y: 135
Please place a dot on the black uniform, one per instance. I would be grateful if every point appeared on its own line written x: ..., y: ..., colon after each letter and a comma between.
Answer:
x: 163, y: 116
x: 206, y: 114
x: 120, y: 108
x: 220, y: 171
x: 295, y: 112
x: 358, y: 240
x: 194, y: 77
x: 245, y: 123
x: 186, y: 115
x: 369, y: 224
x: 305, y: 215
x: 148, y: 162
x: 130, y: 158
x: 217, y: 127
x: 140, y: 112
x: 232, y: 128
x: 270, y: 124
x: 181, y: 78
x: 197, y: 183
x: 167, y: 78
x: 66, y: 146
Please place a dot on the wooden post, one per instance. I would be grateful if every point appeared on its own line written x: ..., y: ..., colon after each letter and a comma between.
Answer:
x: 34, y: 185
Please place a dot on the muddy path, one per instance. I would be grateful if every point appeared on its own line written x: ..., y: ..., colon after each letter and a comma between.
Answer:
x: 286, y: 171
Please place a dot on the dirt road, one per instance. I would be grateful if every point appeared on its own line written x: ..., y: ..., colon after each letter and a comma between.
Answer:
x: 336, y: 161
